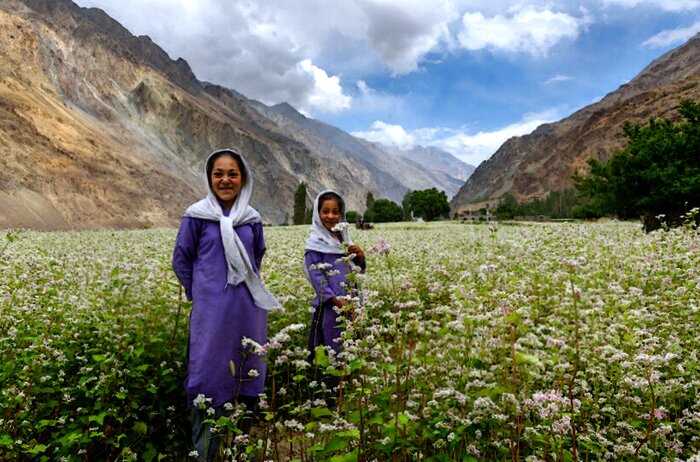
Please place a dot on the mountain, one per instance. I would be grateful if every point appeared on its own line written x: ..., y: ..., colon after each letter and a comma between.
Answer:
x: 531, y: 166
x: 100, y: 128
x: 395, y: 170
x: 439, y: 161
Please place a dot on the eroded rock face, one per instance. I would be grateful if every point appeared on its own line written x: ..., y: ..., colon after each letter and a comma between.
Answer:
x: 102, y: 128
x: 533, y: 165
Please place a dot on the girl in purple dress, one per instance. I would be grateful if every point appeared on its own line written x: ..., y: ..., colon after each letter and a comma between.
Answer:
x: 217, y: 258
x: 327, y: 268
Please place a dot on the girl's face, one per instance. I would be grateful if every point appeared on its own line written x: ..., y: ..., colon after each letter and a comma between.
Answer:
x: 226, y: 179
x: 330, y: 213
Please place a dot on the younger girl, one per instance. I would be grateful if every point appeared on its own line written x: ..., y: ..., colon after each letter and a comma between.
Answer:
x: 326, y: 269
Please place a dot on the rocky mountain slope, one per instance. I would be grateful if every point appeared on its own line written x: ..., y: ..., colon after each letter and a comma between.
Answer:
x: 396, y: 170
x: 440, y: 161
x: 101, y: 128
x: 533, y: 165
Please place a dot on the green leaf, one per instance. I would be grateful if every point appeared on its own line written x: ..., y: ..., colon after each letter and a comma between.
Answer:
x: 349, y: 457
x: 403, y: 419
x: 99, y: 358
x: 140, y: 427
x: 356, y: 364
x: 522, y: 358
x: 70, y: 439
x: 336, y: 444
x: 320, y: 412
x: 6, y: 440
x: 99, y: 418
x: 150, y: 453
x: 37, y: 449
x: 353, y: 434
x: 43, y: 423
x: 321, y: 357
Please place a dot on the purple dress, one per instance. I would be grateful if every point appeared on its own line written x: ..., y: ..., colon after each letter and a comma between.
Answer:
x: 324, y: 327
x: 221, y: 314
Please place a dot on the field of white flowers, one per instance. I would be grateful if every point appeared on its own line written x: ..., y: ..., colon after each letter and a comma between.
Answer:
x: 542, y: 342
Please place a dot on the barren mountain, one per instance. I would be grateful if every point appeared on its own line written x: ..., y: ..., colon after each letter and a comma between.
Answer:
x: 101, y: 128
x: 531, y: 166
x: 395, y: 170
x: 441, y: 161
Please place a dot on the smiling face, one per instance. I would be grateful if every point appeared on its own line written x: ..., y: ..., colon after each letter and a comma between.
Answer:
x: 227, y: 179
x: 330, y: 213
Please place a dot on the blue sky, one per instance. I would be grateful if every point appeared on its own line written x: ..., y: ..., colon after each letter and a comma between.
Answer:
x: 463, y: 75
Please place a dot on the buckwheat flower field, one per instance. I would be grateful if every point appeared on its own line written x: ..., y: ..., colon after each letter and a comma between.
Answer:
x: 539, y: 342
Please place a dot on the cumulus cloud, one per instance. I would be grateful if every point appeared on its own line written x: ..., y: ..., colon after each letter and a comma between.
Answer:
x: 388, y: 134
x: 672, y: 36
x: 667, y: 5
x: 403, y: 32
x: 327, y: 94
x: 524, y: 30
x: 472, y: 148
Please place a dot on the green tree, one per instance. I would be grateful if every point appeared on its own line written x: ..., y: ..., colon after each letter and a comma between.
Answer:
x: 351, y: 216
x: 370, y: 200
x: 657, y: 173
x: 299, y: 205
x: 507, y: 208
x: 384, y: 210
x: 428, y: 204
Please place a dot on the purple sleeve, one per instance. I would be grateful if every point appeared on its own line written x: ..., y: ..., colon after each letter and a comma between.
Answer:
x: 318, y: 280
x: 185, y: 253
x: 259, y: 244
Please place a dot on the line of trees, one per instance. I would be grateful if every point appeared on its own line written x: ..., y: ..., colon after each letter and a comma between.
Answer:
x: 427, y: 204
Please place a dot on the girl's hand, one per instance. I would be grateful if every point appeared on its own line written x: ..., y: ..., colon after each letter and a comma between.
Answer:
x: 339, y: 302
x: 357, y: 250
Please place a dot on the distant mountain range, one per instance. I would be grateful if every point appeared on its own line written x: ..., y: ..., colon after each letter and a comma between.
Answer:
x: 99, y: 128
x: 531, y: 166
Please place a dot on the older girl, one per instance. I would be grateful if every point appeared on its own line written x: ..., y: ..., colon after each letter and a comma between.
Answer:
x: 217, y: 257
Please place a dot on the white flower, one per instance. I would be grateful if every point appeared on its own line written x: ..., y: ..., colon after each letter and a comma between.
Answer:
x: 340, y: 227
x: 253, y: 373
x: 252, y: 345
x: 201, y: 401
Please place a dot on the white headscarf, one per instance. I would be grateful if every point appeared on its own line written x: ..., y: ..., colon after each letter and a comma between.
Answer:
x: 239, y: 267
x: 322, y: 240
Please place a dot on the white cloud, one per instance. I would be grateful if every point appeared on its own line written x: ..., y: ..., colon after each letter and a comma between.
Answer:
x: 558, y: 78
x: 472, y: 148
x: 525, y: 30
x: 672, y: 36
x: 388, y: 134
x: 327, y: 94
x: 667, y: 5
x: 403, y: 32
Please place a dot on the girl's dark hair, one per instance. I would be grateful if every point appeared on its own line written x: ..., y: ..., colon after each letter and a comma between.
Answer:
x: 331, y: 195
x: 232, y: 154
